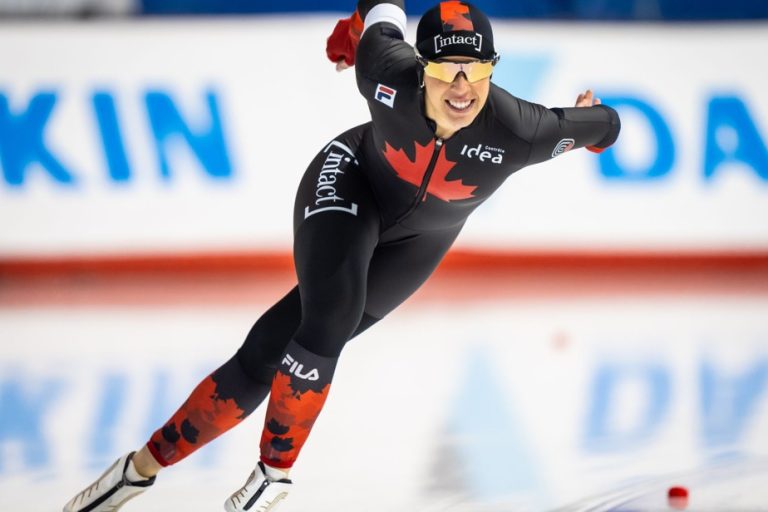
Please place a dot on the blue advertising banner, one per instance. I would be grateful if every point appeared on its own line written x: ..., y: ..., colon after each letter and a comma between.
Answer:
x: 540, y: 9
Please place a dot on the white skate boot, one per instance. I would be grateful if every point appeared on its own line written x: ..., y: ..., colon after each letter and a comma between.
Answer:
x: 110, y: 491
x: 259, y: 494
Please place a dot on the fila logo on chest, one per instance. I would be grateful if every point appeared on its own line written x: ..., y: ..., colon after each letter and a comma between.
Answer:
x: 385, y: 95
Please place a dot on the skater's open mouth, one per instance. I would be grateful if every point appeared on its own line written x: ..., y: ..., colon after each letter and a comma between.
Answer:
x: 460, y: 106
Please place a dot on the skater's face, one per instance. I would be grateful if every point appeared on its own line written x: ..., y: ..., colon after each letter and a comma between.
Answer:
x: 453, y: 102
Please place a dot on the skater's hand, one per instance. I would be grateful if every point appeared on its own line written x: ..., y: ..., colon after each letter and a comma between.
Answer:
x: 342, y: 43
x: 587, y: 100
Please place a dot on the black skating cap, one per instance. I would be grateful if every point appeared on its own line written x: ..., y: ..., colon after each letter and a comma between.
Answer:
x: 455, y: 28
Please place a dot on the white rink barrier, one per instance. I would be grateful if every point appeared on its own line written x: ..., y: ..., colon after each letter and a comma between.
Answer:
x: 178, y: 136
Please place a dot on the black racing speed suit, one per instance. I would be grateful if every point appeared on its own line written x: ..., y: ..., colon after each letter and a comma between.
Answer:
x: 382, y: 203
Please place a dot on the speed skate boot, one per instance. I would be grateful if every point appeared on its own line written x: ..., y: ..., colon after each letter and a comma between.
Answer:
x: 111, y: 490
x: 259, y: 494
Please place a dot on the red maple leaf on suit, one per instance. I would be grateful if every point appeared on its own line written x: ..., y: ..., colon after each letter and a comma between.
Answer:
x: 413, y: 171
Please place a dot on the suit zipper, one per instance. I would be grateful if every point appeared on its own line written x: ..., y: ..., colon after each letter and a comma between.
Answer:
x: 422, y: 193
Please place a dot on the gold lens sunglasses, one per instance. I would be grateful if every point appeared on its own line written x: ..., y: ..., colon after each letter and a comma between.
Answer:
x: 446, y: 70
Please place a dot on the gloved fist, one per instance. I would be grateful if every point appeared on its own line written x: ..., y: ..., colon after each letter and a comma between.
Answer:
x: 342, y: 43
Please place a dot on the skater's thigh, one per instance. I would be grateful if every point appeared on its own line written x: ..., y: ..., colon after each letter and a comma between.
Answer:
x: 400, y: 267
x: 336, y: 219
x: 336, y: 225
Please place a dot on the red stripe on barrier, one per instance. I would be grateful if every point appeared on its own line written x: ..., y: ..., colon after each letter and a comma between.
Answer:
x: 499, y: 260
x: 456, y: 260
x: 147, y: 264
x: 216, y: 279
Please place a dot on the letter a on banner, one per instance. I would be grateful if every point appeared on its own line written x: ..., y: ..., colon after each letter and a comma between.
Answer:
x: 731, y: 403
x: 733, y: 137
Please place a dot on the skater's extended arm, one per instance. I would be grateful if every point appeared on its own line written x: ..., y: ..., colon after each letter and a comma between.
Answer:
x: 552, y: 131
x: 595, y: 127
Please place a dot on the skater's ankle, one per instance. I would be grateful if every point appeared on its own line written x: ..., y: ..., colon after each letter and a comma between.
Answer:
x: 133, y: 475
x: 145, y: 464
x: 276, y: 473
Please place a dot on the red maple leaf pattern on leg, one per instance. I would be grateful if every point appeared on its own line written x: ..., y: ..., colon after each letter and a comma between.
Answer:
x: 289, y: 420
x: 201, y: 419
x: 412, y: 171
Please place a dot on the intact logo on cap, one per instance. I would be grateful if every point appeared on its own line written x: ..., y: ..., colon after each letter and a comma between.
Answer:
x: 386, y: 95
x: 475, y: 40
x: 563, y: 146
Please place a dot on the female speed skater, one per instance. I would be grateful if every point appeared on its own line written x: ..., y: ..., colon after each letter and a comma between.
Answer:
x: 375, y: 212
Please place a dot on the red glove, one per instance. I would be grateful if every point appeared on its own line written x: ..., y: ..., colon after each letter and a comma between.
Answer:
x: 342, y: 44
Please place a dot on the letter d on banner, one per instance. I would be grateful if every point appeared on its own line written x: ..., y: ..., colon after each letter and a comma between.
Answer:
x: 612, y: 169
x: 629, y: 401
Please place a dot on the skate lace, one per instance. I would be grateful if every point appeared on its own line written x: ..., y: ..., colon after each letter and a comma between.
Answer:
x: 86, y: 493
x: 241, y: 493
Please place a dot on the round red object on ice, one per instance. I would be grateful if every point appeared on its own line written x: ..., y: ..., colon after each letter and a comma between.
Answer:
x: 677, y: 497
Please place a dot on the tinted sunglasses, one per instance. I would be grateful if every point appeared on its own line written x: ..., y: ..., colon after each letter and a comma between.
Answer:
x: 446, y: 71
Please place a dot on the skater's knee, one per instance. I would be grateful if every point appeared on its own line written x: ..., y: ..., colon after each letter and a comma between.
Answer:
x: 325, y: 327
x: 258, y: 369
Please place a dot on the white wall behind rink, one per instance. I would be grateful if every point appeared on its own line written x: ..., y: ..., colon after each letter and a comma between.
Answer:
x: 256, y: 99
